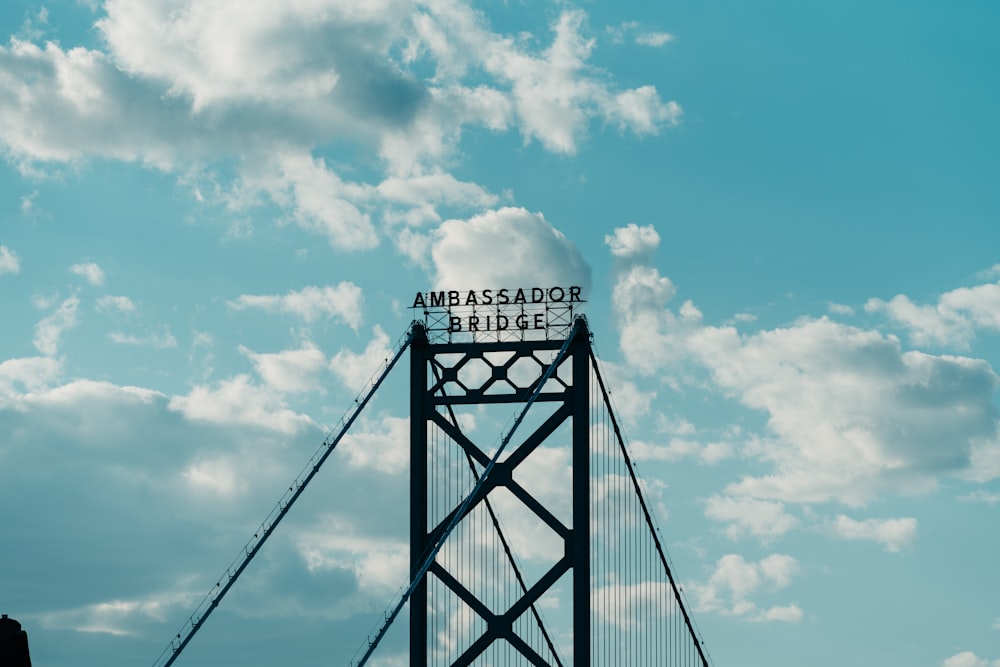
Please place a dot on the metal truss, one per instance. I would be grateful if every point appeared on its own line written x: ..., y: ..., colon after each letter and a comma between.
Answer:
x: 447, y: 375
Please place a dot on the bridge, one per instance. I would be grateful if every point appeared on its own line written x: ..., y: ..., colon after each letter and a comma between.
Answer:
x: 536, y: 548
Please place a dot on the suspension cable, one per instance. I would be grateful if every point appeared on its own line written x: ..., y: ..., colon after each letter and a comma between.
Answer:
x: 267, y: 528
x: 646, y: 514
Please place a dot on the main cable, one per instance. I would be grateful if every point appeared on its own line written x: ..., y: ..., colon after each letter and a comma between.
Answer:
x: 266, y: 529
x: 648, y: 516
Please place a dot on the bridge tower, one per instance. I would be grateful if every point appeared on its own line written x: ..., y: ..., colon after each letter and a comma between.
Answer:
x: 553, y: 374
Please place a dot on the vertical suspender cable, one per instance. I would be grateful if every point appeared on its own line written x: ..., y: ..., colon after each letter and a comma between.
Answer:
x: 648, y: 517
x: 498, y: 535
x: 463, y: 508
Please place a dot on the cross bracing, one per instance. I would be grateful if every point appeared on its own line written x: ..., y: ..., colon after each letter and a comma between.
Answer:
x: 537, y: 547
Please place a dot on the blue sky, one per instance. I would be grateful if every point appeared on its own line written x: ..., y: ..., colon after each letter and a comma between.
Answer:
x: 213, y: 214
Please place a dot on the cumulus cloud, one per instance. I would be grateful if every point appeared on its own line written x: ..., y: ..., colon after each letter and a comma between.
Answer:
x: 763, y: 519
x: 734, y: 580
x: 506, y: 247
x: 893, y: 534
x: 968, y: 659
x: 680, y: 448
x: 111, y: 304
x: 49, y: 331
x: 654, y: 39
x: 321, y: 202
x: 337, y: 542
x: 119, y: 617
x: 554, y: 96
x: 289, y: 370
x: 850, y: 413
x: 628, y: 401
x: 641, y: 35
x: 952, y: 321
x: 840, y: 309
x: 642, y: 111
x: 27, y: 373
x: 383, y: 445
x: 437, y: 188
x: 187, y: 85
x: 9, y: 261
x: 651, y: 336
x: 191, y: 470
x: 981, y: 496
x: 90, y: 272
x: 159, y: 338
x: 237, y: 401
x: 356, y: 370
x: 632, y: 240
x: 310, y: 304
x: 87, y: 409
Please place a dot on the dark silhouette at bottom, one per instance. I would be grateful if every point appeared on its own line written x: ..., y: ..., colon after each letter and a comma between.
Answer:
x: 13, y: 644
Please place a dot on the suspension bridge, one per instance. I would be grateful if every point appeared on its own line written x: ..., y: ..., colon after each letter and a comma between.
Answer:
x: 538, y: 547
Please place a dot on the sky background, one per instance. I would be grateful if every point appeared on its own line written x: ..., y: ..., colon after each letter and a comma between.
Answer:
x: 214, y: 214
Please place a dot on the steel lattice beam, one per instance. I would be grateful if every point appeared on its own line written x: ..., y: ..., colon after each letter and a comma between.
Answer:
x: 437, y: 387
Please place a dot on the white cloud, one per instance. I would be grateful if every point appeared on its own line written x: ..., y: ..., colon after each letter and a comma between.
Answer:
x: 31, y: 373
x: 952, y: 321
x: 161, y: 339
x: 968, y: 659
x: 788, y: 614
x: 981, y: 496
x: 509, y: 247
x: 554, y: 95
x: 337, y: 542
x: 651, y: 337
x: 850, y: 413
x: 217, y: 476
x: 28, y: 203
x: 90, y: 272
x: 985, y: 459
x: 840, y: 309
x: 122, y: 304
x: 343, y: 302
x: 289, y: 370
x: 357, y: 370
x: 634, y: 608
x: 238, y: 401
x: 224, y: 52
x: 184, y: 85
x: 49, y: 330
x: 120, y: 617
x: 629, y: 401
x: 9, y: 261
x: 321, y: 202
x: 383, y: 446
x: 893, y: 534
x: 654, y: 39
x: 438, y: 187
x: 94, y: 412
x: 680, y: 448
x: 632, y: 240
x: 734, y: 580
x: 763, y: 519
x: 989, y: 274
x: 641, y: 111
x: 642, y: 37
